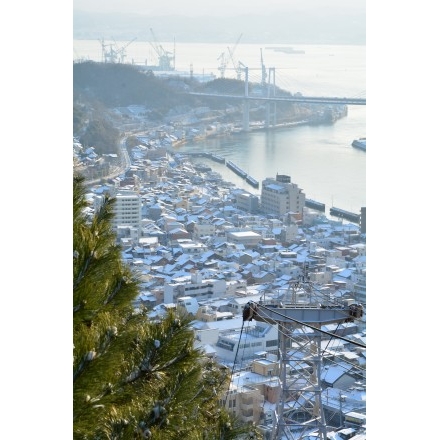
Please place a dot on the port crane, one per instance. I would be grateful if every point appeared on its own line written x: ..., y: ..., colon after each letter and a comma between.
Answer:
x: 115, y: 54
x: 300, y: 408
x: 121, y: 51
x: 166, y: 59
x: 225, y: 58
x: 107, y: 55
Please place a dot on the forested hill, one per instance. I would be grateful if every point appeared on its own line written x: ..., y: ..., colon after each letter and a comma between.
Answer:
x: 119, y: 85
x: 115, y: 85
x: 99, y: 87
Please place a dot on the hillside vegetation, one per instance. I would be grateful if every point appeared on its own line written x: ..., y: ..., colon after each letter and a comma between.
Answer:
x: 98, y: 88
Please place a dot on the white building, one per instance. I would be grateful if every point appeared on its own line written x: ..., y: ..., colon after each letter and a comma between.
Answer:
x: 226, y: 338
x: 127, y: 214
x: 203, y: 229
x: 279, y: 196
x: 195, y: 286
x: 248, y: 239
x: 247, y: 202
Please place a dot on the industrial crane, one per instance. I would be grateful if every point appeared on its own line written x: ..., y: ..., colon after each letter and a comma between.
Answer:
x: 231, y: 56
x: 105, y: 54
x: 223, y: 64
x: 121, y: 51
x: 165, y: 57
x: 224, y: 59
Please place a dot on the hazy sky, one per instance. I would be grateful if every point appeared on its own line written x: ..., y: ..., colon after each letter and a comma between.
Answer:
x: 194, y: 8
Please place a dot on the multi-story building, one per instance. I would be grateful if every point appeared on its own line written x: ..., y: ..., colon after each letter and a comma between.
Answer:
x: 247, y: 202
x: 248, y: 239
x: 279, y: 196
x: 127, y: 214
x: 245, y: 402
x: 196, y: 287
x: 203, y: 228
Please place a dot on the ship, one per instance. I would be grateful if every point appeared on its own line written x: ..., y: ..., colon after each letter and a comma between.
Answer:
x: 360, y: 143
x: 286, y: 50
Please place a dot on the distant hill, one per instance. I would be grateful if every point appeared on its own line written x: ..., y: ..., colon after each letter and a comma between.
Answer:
x: 306, y: 27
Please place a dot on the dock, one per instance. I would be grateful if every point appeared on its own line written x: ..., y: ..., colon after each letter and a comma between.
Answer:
x: 253, y: 182
x: 236, y: 169
x: 315, y: 205
x: 217, y: 158
x: 342, y: 213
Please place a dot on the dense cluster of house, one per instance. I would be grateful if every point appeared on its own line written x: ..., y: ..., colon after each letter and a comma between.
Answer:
x: 196, y: 246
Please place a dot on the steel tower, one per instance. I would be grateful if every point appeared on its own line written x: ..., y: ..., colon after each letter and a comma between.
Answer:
x: 300, y: 409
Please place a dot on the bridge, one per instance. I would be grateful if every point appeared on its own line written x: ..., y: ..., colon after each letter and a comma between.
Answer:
x: 266, y: 92
x: 303, y: 99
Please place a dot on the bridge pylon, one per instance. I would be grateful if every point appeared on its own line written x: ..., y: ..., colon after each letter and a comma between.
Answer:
x: 271, y: 106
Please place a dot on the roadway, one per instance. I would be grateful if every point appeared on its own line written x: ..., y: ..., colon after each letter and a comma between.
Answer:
x: 303, y: 99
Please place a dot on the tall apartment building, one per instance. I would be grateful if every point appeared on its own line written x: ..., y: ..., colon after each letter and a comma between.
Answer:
x: 279, y: 196
x: 127, y: 214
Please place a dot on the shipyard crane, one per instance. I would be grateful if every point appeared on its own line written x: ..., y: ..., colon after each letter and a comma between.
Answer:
x: 225, y: 58
x: 223, y: 64
x: 231, y: 56
x: 299, y: 315
x: 165, y: 57
x: 111, y: 55
x: 121, y: 51
x: 103, y: 49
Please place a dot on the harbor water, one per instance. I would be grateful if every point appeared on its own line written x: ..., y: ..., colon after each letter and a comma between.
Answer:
x: 319, y: 158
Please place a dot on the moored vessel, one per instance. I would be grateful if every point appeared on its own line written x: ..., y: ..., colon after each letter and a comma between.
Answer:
x: 360, y: 143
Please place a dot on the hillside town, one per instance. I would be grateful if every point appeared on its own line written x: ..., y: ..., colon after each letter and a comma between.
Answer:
x: 205, y: 247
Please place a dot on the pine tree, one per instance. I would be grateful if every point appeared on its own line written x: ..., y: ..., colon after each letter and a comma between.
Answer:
x: 133, y: 378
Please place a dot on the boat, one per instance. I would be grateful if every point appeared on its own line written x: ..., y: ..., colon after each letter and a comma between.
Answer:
x: 286, y: 49
x: 360, y: 143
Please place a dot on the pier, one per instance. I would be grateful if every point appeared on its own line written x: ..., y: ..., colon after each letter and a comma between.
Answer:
x: 318, y: 206
x: 342, y: 213
x: 237, y: 170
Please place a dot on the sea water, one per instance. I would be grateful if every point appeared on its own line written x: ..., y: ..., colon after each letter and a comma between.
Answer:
x: 319, y: 158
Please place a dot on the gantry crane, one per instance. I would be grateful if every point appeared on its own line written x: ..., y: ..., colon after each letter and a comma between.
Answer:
x: 301, y: 390
x: 104, y: 53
